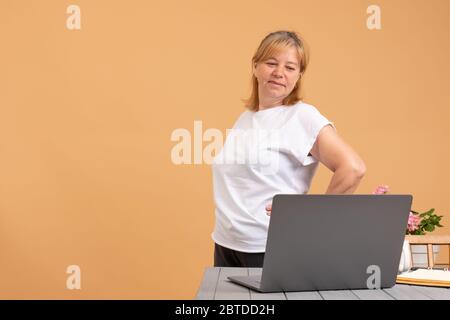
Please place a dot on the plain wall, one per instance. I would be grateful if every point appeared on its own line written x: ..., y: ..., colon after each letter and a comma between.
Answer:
x: 86, y: 117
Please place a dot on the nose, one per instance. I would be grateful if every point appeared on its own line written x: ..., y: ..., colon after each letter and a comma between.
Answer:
x: 277, y: 72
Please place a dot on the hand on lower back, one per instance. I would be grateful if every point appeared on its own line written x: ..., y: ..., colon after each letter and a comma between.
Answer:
x: 269, y: 209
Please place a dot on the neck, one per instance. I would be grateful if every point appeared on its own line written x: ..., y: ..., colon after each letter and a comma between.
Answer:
x: 266, y: 104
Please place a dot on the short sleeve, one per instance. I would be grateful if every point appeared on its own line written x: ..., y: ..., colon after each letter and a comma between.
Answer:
x: 303, y: 131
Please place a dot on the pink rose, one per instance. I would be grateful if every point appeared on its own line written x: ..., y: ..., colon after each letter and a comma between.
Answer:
x: 413, y: 222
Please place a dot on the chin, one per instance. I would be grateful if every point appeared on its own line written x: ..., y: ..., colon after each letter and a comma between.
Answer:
x: 278, y: 96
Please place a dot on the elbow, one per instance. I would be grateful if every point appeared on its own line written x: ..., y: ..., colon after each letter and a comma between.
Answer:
x: 359, y: 170
x: 354, y: 171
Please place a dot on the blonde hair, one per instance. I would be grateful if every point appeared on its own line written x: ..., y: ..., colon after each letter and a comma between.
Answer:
x: 275, y: 42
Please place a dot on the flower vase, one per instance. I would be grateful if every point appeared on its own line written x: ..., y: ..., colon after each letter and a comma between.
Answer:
x: 420, y: 255
x: 405, y: 258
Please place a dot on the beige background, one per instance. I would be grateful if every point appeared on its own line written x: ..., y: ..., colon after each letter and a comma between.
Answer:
x: 86, y: 117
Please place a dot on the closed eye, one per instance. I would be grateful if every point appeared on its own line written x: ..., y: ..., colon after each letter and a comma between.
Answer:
x: 274, y: 64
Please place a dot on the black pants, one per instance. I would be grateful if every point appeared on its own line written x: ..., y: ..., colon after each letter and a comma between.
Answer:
x: 224, y: 257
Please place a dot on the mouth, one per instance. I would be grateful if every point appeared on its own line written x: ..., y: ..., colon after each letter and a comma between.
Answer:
x: 276, y: 83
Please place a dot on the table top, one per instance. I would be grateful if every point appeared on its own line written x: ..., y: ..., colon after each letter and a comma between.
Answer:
x: 216, y: 286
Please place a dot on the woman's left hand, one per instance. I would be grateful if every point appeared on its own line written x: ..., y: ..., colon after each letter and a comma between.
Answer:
x: 269, y: 209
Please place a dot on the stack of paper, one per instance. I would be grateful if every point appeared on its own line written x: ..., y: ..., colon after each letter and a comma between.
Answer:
x: 426, y: 277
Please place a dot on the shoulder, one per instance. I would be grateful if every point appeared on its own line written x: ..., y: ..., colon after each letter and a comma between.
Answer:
x: 305, y: 108
x: 309, y: 118
x: 305, y: 113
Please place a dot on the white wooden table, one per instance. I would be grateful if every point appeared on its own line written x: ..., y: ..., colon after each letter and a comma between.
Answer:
x: 216, y: 286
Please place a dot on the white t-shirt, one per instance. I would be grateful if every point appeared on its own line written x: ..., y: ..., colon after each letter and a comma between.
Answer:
x: 266, y: 153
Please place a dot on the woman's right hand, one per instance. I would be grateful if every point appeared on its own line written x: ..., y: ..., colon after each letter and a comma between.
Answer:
x: 269, y: 209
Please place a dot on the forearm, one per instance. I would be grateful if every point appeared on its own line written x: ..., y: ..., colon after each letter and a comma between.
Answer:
x: 344, y: 181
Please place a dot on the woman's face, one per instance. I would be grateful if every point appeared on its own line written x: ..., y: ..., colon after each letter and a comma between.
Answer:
x: 277, y: 75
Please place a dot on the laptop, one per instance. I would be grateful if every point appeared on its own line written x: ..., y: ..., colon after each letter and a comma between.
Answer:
x: 332, y: 242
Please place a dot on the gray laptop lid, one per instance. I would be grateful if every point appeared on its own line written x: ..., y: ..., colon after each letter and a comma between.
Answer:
x: 326, y: 242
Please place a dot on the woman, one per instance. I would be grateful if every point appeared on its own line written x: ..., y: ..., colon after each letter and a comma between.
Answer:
x: 243, y: 190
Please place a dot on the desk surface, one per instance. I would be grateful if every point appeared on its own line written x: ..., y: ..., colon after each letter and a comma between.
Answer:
x: 216, y: 286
